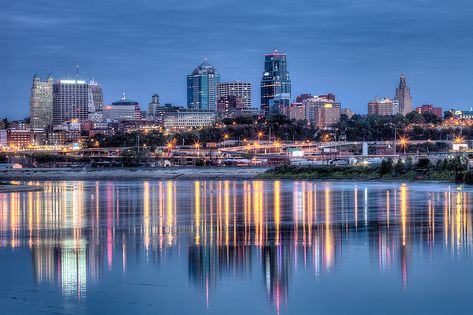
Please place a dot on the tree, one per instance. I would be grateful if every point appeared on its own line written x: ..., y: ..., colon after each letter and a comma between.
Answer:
x: 414, y: 118
x: 447, y: 114
x: 386, y: 166
x: 399, y: 167
x: 431, y: 118
x: 423, y: 163
x: 129, y: 158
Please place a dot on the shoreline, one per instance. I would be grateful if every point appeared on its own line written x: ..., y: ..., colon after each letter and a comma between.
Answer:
x: 168, y: 173
x: 173, y: 173
x: 19, y: 188
x: 367, y: 174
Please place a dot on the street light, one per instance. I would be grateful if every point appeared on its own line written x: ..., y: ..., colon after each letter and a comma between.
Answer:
x: 197, y: 146
x: 458, y: 139
x: 277, y: 144
x: 225, y: 138
x: 403, y: 142
x: 169, y: 145
x: 260, y: 135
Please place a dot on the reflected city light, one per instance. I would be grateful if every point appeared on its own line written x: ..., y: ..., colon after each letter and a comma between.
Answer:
x: 78, y: 231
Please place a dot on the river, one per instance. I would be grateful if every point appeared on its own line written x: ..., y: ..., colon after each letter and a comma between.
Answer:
x: 236, y: 247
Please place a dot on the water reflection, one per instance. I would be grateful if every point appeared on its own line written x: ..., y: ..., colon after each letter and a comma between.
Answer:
x: 225, y: 230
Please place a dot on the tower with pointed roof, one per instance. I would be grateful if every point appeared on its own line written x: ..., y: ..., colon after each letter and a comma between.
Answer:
x: 275, y: 83
x: 202, y: 87
x: 41, y: 102
x: 403, y: 96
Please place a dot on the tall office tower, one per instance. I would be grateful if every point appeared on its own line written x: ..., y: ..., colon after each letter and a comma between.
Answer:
x: 70, y: 101
x: 202, y: 87
x: 241, y: 90
x: 96, y: 96
x: 153, y: 106
x: 403, y: 96
x: 275, y: 79
x: 41, y: 102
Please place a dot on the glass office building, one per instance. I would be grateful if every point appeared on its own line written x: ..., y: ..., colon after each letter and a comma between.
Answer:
x: 275, y: 79
x: 202, y: 87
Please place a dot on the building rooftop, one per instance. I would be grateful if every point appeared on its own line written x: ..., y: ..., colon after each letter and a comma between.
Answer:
x: 125, y: 101
x: 205, y: 67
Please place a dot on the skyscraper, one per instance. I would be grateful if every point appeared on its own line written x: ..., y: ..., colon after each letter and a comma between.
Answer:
x: 70, y: 101
x: 41, y: 102
x: 275, y: 79
x: 202, y: 87
x: 96, y: 96
x: 239, y: 89
x: 153, y: 106
x: 403, y: 96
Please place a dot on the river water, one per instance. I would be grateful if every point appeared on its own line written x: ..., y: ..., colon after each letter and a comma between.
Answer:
x: 236, y: 247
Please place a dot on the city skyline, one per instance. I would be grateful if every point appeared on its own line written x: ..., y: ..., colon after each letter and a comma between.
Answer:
x: 152, y: 62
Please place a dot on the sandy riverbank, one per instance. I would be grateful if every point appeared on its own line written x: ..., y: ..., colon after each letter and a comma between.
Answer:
x: 176, y: 173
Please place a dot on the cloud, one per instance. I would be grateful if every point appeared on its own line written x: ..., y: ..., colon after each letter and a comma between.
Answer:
x: 149, y: 46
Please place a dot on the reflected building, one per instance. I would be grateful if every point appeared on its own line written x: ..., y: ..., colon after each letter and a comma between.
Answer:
x: 73, y: 268
x: 45, y: 258
x: 229, y: 230
x: 276, y: 262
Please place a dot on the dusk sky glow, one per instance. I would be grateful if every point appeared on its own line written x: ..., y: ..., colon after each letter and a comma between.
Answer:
x: 354, y: 49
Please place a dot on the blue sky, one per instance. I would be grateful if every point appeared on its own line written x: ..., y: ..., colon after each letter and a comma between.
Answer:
x: 355, y: 49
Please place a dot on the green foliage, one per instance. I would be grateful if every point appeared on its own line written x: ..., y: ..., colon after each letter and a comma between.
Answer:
x: 415, y: 126
x: 423, y: 163
x: 423, y: 170
x: 386, y: 166
x: 469, y: 178
x: 399, y: 168
x: 426, y: 147
x: 130, y: 158
x: 122, y: 139
x: 45, y: 158
x: 371, y: 127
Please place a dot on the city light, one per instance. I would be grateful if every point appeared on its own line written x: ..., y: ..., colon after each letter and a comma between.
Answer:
x: 458, y: 139
x: 403, y: 141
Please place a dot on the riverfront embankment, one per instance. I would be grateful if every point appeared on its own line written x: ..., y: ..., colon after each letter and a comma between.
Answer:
x: 164, y: 173
x: 370, y: 173
x: 384, y: 172
x: 9, y: 188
